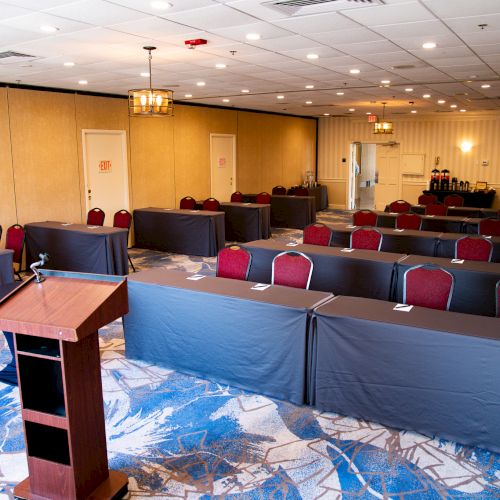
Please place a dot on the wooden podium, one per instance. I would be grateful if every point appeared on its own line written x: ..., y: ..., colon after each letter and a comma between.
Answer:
x: 58, y: 367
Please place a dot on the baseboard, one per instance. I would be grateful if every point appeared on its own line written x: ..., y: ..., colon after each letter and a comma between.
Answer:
x: 336, y: 206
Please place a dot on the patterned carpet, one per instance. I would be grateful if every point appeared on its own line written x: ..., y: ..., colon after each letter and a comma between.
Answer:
x: 182, y: 437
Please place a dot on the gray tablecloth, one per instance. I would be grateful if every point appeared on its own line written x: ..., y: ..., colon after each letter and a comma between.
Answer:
x: 78, y: 247
x: 6, y: 269
x: 321, y: 195
x: 471, y: 199
x: 190, y: 232
x: 363, y: 273
x: 292, y: 211
x: 433, y: 372
x: 447, y: 241
x: 440, y: 224
x: 247, y: 221
x: 222, y: 330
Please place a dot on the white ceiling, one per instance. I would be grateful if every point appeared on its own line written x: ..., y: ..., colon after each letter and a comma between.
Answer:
x: 104, y: 38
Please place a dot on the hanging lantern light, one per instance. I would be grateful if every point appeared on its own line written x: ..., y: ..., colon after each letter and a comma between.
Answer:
x: 383, y: 126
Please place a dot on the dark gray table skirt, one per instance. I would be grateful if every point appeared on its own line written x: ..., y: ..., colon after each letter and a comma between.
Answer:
x: 179, y: 231
x: 320, y: 193
x: 433, y: 372
x: 446, y: 246
x: 292, y: 211
x: 429, y: 223
x: 6, y: 269
x: 363, y: 273
x: 247, y: 221
x: 77, y: 247
x: 222, y: 330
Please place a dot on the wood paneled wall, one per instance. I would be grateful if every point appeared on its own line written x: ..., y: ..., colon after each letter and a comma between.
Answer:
x: 41, y: 158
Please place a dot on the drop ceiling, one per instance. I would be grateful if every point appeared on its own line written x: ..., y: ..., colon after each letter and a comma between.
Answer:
x: 381, y: 38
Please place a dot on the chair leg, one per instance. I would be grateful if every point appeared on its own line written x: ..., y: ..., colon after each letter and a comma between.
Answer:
x: 131, y: 263
x: 18, y: 275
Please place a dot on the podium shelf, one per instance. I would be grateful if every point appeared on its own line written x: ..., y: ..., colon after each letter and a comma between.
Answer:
x: 47, y: 442
x: 27, y: 344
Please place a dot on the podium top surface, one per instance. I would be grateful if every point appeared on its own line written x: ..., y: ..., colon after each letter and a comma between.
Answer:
x: 66, y: 306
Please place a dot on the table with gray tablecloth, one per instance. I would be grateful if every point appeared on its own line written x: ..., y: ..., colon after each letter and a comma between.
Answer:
x: 475, y: 282
x: 247, y: 221
x: 6, y: 266
x: 78, y: 247
x: 447, y: 242
x: 320, y: 193
x: 482, y: 199
x: 363, y: 273
x: 190, y: 232
x: 434, y: 372
x: 457, y: 211
x: 292, y: 211
x: 441, y: 224
x: 222, y: 329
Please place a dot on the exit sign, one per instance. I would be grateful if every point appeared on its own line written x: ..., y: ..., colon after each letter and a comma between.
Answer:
x: 372, y: 118
x: 105, y: 166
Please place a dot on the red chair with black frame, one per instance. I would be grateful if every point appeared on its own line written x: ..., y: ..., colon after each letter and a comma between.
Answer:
x: 14, y: 240
x: 489, y: 227
x: 428, y: 285
x: 474, y: 248
x: 366, y: 238
x: 317, y: 234
x: 95, y: 217
x: 233, y: 262
x: 292, y: 269
x: 187, y: 203
x: 409, y: 221
x: 364, y: 218
x: 301, y: 191
x: 399, y: 206
x: 453, y: 200
x: 436, y: 209
x: 426, y: 199
x: 237, y: 197
x: 211, y: 204
x: 280, y: 190
x: 123, y: 220
x: 263, y: 198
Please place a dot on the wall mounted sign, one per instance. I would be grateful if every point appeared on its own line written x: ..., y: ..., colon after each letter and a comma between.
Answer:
x: 105, y: 167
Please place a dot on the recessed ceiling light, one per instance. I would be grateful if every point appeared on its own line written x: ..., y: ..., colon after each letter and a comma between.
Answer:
x: 368, y: 113
x: 200, y: 84
x: 83, y: 82
x: 188, y: 95
x: 413, y: 111
x: 409, y: 89
x: 385, y: 82
x: 472, y: 76
x: 220, y: 66
x: 245, y: 91
x: 160, y: 5
x: 463, y: 110
x: 309, y: 102
x: 352, y: 110
x: 69, y: 64
x: 453, y: 105
x: 340, y: 93
x: 145, y: 74
x: 426, y: 96
x: 225, y: 100
x: 485, y: 86
x: 253, y: 36
x: 441, y: 101
x: 326, y: 114
x: 429, y: 45
x: 48, y: 29
x: 354, y: 71
x: 312, y: 56
x: 309, y: 86
x: 280, y: 97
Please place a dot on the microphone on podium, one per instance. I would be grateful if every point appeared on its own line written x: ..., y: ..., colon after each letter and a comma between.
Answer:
x: 44, y: 258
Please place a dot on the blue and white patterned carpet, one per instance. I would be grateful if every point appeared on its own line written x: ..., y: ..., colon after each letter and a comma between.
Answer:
x: 178, y: 436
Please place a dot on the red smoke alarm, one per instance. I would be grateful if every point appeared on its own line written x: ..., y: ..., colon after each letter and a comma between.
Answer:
x: 192, y: 44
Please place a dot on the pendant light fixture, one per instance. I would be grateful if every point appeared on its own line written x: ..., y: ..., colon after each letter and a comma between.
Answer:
x: 383, y: 127
x: 150, y: 102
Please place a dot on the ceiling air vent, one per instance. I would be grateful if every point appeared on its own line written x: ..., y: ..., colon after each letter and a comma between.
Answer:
x: 304, y: 7
x: 11, y: 57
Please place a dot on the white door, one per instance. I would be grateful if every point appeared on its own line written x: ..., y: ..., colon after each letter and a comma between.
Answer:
x: 387, y: 176
x: 223, y: 165
x: 106, y: 171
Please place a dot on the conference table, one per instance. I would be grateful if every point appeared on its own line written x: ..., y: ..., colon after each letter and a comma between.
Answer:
x: 458, y: 211
x: 420, y: 369
x: 190, y: 232
x: 234, y: 332
x: 292, y: 211
x: 247, y: 221
x: 78, y: 247
x: 6, y: 269
x: 363, y: 273
x: 481, y: 199
x: 320, y: 194
x: 447, y: 241
x: 475, y: 282
x: 442, y: 224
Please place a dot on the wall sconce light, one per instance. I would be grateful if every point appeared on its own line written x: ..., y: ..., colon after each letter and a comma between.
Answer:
x: 466, y: 146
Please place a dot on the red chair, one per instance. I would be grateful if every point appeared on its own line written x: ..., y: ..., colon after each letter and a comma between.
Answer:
x: 317, y: 234
x: 453, y: 200
x: 264, y: 198
x: 489, y: 227
x: 292, y: 269
x: 301, y: 191
x: 409, y: 221
x: 211, y: 204
x: 123, y: 220
x: 366, y: 238
x: 95, y: 217
x: 237, y: 197
x: 279, y: 190
x: 427, y: 285
x: 426, y: 199
x: 187, y: 203
x: 233, y: 262
x: 474, y: 248
x: 364, y: 218
x: 399, y: 206
x: 436, y: 209
x: 14, y: 240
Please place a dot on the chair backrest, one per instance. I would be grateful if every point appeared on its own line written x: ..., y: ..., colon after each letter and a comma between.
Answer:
x: 317, y: 234
x: 211, y: 204
x: 364, y: 218
x: 409, y: 221
x: 95, y: 217
x: 453, y: 200
x: 436, y: 209
x: 292, y: 269
x: 425, y: 199
x: 187, y: 203
x: 263, y: 197
x: 473, y: 248
x: 237, y: 197
x: 279, y: 190
x: 122, y: 219
x: 366, y: 238
x: 429, y: 286
x: 399, y: 206
x: 14, y: 240
x: 489, y: 227
x: 301, y: 191
x: 233, y: 262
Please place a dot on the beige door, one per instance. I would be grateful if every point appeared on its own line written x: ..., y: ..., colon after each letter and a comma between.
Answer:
x: 387, y: 186
x: 106, y: 171
x: 223, y: 165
